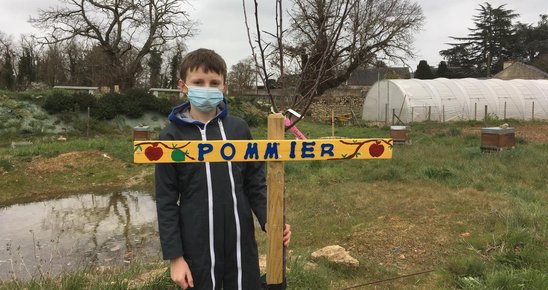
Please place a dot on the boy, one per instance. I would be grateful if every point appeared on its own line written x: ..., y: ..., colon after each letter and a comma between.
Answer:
x: 204, y: 209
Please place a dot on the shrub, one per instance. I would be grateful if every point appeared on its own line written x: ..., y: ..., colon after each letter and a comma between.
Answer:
x: 254, y: 117
x: 162, y: 106
x: 59, y: 102
x: 133, y: 103
x: 84, y: 100
x: 148, y: 102
x: 132, y: 109
x: 108, y: 106
x: 139, y: 97
x: 247, y: 111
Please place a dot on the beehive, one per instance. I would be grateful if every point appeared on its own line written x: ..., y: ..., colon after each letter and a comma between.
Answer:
x: 400, y: 134
x: 497, y: 138
x: 141, y: 133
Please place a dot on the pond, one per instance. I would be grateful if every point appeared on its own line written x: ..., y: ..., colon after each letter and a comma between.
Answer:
x: 79, y: 232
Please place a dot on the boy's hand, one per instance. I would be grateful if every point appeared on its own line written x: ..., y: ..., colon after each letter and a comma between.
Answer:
x: 287, y: 235
x: 180, y: 273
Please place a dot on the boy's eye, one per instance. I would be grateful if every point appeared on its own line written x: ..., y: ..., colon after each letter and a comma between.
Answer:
x: 204, y: 83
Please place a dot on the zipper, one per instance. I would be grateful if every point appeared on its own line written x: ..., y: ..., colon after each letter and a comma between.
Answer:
x: 236, y: 213
x: 210, y: 208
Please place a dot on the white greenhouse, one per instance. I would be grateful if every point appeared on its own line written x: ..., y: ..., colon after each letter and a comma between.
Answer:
x: 415, y: 100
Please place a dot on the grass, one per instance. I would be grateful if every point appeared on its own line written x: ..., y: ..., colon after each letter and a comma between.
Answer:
x: 144, y: 276
x: 99, y: 164
x: 415, y: 212
x: 479, y: 220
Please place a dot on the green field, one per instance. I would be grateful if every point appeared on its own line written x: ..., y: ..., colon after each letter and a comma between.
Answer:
x: 477, y: 220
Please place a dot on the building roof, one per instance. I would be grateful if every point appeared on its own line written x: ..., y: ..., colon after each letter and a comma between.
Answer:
x: 518, y: 70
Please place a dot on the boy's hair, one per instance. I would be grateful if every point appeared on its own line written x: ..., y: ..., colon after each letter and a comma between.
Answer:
x: 207, y: 59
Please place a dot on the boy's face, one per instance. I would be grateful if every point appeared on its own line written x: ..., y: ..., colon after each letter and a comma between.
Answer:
x: 199, y: 78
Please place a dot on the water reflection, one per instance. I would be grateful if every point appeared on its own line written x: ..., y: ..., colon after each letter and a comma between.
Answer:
x: 49, y: 237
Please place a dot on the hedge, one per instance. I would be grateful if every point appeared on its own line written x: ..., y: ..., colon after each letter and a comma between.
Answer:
x: 133, y: 103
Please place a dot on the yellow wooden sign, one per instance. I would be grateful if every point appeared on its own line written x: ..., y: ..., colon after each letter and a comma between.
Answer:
x: 260, y: 150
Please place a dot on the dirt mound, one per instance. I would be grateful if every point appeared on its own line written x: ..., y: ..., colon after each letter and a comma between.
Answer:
x: 420, y: 234
x: 533, y: 132
x: 137, y: 179
x: 528, y: 132
x: 69, y: 161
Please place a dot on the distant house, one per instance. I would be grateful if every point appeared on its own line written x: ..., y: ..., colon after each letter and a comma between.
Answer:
x: 518, y: 70
x: 368, y: 76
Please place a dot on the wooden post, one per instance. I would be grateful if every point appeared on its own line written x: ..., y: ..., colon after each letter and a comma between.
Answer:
x: 504, y: 111
x: 443, y: 113
x: 533, y: 112
x: 485, y: 114
x: 429, y: 112
x: 332, y: 123
x: 87, y: 123
x: 475, y: 111
x: 393, y: 116
x: 275, y: 207
x: 386, y: 114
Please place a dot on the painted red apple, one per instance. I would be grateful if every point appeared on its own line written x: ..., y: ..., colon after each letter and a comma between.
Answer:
x: 154, y: 152
x: 376, y: 149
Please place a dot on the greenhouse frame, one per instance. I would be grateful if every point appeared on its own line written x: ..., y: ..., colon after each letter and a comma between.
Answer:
x: 441, y: 99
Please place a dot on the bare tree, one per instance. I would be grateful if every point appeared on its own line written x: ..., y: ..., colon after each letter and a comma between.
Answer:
x: 51, y: 67
x: 75, y: 54
x: 155, y: 68
x: 242, y: 75
x: 119, y: 27
x: 97, y: 66
x: 331, y: 38
x: 7, y: 62
x: 26, y: 65
x: 175, y: 58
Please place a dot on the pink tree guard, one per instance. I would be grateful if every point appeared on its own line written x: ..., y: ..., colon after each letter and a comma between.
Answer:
x: 298, y: 134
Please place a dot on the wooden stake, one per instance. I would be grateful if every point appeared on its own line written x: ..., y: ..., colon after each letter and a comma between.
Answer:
x: 87, y: 123
x: 443, y: 113
x: 275, y: 206
x: 386, y: 114
x: 332, y: 124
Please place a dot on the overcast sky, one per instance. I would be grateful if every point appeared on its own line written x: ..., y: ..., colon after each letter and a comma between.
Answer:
x: 222, y: 26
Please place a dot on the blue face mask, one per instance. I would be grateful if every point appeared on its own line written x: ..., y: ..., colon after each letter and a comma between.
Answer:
x: 204, y: 99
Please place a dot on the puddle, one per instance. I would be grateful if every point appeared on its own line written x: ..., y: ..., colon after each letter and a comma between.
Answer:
x: 86, y: 231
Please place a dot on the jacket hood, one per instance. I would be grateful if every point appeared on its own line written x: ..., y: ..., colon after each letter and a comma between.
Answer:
x: 177, y: 115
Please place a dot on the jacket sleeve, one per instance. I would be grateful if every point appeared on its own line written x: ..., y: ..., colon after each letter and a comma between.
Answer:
x: 167, y: 206
x: 255, y: 188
